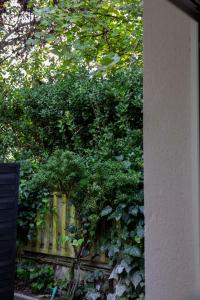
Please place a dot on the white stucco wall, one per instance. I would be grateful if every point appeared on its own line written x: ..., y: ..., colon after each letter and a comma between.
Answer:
x: 171, y: 153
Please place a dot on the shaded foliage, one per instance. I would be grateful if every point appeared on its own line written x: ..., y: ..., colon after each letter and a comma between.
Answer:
x: 80, y: 113
x: 82, y: 135
x: 39, y: 39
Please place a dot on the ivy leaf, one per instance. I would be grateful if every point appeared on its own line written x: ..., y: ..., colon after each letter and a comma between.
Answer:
x: 136, y: 278
x: 113, y: 250
x: 111, y: 297
x: 85, y: 252
x: 140, y: 232
x: 133, y: 210
x: 133, y: 251
x: 120, y: 289
x: 126, y: 266
x: 106, y: 211
x: 116, y: 215
x: 119, y: 269
x: 114, y: 274
x: 93, y: 295
x: 142, y: 209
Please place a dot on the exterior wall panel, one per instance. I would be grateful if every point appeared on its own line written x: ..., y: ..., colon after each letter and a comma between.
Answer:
x: 171, y: 154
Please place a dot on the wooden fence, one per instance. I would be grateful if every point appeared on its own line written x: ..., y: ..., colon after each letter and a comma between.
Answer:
x: 50, y: 235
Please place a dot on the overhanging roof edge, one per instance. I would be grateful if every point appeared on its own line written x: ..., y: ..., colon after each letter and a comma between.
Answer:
x: 191, y: 7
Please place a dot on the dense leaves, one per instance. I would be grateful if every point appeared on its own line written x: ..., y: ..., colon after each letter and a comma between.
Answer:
x: 33, y: 201
x: 71, y: 113
x: 83, y: 136
x: 39, y: 39
x: 80, y: 113
x: 37, y: 277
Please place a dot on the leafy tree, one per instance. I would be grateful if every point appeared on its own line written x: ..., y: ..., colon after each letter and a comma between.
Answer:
x: 40, y: 38
x: 71, y: 96
x: 79, y: 113
x: 84, y: 135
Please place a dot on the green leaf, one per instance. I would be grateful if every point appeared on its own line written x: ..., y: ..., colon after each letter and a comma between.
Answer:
x: 133, y: 210
x: 110, y: 60
x: 136, y: 278
x: 133, y: 251
x: 120, y: 289
x: 106, y: 211
x: 111, y: 297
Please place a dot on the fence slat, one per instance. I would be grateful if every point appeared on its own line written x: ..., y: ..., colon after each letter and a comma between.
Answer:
x: 55, y: 224
x: 38, y: 240
x: 63, y: 222
x: 49, y: 239
x: 46, y: 233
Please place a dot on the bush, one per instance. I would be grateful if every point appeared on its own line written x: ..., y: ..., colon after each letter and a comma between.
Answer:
x: 37, y: 277
x: 85, y: 136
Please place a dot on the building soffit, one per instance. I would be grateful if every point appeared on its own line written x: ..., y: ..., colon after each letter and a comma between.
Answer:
x: 191, y: 7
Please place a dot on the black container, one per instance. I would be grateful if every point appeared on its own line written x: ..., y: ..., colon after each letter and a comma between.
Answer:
x: 9, y: 186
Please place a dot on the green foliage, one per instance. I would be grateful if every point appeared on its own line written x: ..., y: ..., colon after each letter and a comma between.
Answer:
x: 63, y: 172
x: 49, y: 37
x: 79, y: 113
x: 97, y: 285
x: 84, y: 135
x: 37, y: 277
x: 33, y: 201
x: 113, y: 207
x: 75, y: 124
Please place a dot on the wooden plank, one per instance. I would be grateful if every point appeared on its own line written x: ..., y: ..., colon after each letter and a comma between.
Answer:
x: 66, y: 261
x: 55, y: 225
x: 46, y: 234
x: 63, y: 222
x: 56, y: 222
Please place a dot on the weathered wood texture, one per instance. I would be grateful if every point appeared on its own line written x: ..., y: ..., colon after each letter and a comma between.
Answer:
x: 49, y: 237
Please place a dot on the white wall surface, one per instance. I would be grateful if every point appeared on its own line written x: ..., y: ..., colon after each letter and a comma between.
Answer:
x: 171, y: 157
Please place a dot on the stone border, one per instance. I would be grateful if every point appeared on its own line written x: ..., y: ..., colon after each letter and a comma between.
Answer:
x: 24, y: 297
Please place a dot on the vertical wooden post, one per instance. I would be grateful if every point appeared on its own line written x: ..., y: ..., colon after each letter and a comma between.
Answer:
x: 38, y: 239
x: 63, y: 222
x: 55, y: 224
x: 46, y: 233
x: 72, y: 215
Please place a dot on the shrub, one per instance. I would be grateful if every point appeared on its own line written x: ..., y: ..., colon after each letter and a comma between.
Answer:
x: 85, y: 135
x: 37, y: 277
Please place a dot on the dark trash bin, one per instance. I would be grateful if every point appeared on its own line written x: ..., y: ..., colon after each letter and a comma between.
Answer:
x: 9, y: 186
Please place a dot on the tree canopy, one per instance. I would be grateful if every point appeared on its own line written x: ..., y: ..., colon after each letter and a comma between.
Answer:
x: 39, y: 39
x: 71, y: 113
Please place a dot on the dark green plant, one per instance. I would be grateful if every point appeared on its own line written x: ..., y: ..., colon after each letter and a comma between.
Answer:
x: 37, y: 277
x: 63, y: 172
x: 112, y: 213
x: 85, y: 135
x: 79, y: 113
x: 33, y: 201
